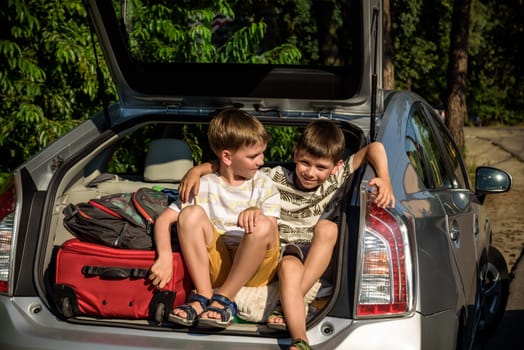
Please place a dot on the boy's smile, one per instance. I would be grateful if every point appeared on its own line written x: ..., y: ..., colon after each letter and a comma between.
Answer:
x: 311, y: 171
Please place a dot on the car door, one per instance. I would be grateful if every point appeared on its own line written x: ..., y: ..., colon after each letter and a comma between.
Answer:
x: 445, y: 174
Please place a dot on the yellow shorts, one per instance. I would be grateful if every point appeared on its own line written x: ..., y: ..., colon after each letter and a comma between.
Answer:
x: 221, y: 259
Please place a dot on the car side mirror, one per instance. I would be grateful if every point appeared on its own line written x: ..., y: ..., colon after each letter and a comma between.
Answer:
x: 491, y: 180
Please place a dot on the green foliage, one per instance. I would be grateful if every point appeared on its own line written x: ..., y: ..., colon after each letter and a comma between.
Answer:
x: 48, y: 80
x: 195, y: 136
x: 283, y: 139
x: 47, y: 75
x: 421, y: 35
x: 183, y: 33
x: 129, y: 155
x: 495, y: 85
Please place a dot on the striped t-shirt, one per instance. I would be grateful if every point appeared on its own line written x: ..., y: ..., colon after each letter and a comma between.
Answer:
x: 301, y: 210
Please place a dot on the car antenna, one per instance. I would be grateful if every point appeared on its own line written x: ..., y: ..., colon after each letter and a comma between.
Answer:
x: 374, y: 34
x: 101, y: 85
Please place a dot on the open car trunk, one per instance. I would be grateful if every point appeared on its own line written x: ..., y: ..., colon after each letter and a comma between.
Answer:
x: 175, y: 64
x: 121, y: 162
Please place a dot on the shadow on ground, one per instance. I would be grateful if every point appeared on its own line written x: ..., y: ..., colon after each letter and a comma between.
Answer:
x: 509, y: 334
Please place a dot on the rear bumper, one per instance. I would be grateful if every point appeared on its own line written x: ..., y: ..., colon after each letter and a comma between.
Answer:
x: 26, y: 324
x: 23, y: 328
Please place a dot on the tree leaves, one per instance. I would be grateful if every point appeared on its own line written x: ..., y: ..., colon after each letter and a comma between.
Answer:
x: 48, y: 82
x: 47, y: 75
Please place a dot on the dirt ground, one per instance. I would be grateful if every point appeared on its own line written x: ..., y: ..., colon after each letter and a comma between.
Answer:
x: 502, y: 147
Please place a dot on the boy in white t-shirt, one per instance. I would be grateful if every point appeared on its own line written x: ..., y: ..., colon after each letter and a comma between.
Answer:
x: 228, y: 233
x: 310, y: 197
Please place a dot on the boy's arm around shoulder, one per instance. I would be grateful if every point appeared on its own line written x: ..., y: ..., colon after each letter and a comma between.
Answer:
x: 190, y: 183
x: 375, y: 154
x: 162, y: 269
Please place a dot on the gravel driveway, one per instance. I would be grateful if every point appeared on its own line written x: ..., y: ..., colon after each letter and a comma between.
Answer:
x: 502, y: 147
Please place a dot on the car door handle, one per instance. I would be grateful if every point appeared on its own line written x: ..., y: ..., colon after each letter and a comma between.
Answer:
x: 454, y: 231
x: 455, y: 235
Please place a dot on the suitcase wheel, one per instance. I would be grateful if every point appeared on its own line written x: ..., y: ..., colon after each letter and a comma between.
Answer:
x: 65, y: 301
x: 160, y: 312
x: 66, y: 308
x: 158, y: 305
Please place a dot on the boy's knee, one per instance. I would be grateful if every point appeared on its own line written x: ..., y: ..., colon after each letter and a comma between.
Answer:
x: 326, y: 231
x: 265, y: 230
x: 289, y: 265
x: 190, y: 214
x: 192, y: 218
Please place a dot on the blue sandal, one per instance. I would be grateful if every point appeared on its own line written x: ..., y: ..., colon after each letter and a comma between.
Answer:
x: 191, y: 314
x: 227, y: 313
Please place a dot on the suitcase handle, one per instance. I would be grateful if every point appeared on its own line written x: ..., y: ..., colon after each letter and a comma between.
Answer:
x: 114, y: 273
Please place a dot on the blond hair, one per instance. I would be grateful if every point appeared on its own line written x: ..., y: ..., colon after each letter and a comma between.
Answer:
x: 233, y: 128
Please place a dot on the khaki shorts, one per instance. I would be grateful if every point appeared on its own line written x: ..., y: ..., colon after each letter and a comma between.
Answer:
x: 221, y: 257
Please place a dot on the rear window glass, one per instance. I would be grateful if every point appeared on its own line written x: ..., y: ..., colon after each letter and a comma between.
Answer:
x: 129, y: 156
x: 262, y: 49
x: 316, y: 33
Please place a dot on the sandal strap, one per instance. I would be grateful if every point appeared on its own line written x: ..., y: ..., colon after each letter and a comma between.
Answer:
x: 202, y: 300
x: 223, y: 300
x: 301, y: 344
x: 191, y: 313
x: 229, y: 310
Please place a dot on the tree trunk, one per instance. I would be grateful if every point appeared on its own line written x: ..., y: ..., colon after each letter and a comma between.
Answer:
x: 389, y: 67
x: 457, y: 112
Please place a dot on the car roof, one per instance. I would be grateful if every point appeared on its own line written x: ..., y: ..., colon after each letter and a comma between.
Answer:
x: 151, y: 68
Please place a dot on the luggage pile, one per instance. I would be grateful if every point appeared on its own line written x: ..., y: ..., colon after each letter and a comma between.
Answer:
x: 103, y: 272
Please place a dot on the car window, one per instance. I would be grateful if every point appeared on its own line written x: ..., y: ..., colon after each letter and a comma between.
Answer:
x: 415, y: 154
x: 128, y: 155
x: 258, y: 32
x: 279, y: 49
x: 460, y: 179
x: 423, y: 150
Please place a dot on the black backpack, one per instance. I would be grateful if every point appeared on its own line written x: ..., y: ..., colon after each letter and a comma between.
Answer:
x: 121, y: 220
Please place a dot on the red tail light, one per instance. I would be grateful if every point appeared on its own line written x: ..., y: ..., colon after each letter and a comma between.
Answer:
x: 385, y: 264
x: 7, y: 213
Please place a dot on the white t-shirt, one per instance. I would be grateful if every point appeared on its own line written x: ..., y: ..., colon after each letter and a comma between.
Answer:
x: 223, y: 202
x: 301, y: 210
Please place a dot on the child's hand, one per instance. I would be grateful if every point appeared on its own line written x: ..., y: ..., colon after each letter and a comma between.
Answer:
x: 385, y: 197
x: 190, y: 183
x: 161, y: 271
x: 247, y: 219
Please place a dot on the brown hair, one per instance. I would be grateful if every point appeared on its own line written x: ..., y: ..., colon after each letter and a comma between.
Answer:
x: 233, y: 128
x: 324, y: 139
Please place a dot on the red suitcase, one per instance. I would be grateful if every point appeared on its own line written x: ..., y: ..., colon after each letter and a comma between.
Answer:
x: 101, y: 281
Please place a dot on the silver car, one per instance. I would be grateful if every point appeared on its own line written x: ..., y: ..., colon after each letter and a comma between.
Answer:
x: 423, y: 275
